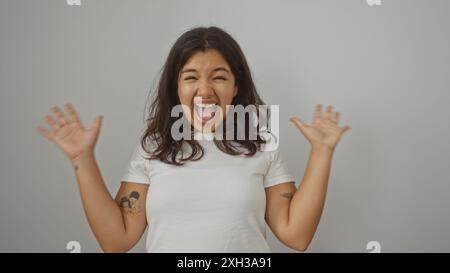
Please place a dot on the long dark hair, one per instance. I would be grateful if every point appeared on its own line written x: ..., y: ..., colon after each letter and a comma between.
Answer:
x: 159, y: 120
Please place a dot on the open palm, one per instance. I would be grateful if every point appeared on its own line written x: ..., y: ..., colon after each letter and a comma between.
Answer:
x: 69, y: 134
x: 324, y: 130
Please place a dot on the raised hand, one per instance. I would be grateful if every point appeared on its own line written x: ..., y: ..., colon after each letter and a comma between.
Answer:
x: 69, y: 134
x: 324, y: 130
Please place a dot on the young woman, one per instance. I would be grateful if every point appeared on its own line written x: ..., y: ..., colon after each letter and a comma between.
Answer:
x: 201, y: 195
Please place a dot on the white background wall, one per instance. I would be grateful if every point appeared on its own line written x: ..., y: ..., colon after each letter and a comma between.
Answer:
x: 385, y: 68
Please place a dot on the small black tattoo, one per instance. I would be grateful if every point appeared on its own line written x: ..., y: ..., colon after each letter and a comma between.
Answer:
x: 287, y: 195
x: 123, y: 201
x: 76, y: 167
x: 129, y: 203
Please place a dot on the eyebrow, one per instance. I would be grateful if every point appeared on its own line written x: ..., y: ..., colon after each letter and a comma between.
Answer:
x: 214, y: 70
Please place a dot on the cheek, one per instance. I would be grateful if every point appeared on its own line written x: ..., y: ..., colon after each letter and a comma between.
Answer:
x: 185, y: 94
x: 226, y: 98
x: 225, y: 94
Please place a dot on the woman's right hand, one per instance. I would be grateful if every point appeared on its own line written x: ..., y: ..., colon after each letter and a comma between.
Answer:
x: 69, y: 134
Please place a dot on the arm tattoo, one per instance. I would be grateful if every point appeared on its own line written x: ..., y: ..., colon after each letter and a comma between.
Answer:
x: 76, y: 167
x: 129, y: 203
x: 287, y: 195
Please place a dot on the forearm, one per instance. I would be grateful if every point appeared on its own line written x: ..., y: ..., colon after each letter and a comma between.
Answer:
x: 308, y: 201
x: 102, y: 212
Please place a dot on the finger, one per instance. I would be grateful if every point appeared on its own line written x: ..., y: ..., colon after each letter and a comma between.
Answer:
x: 97, y: 123
x: 317, y: 111
x: 61, y: 119
x: 337, y: 116
x: 345, y: 128
x: 49, y: 119
x: 328, y: 112
x: 47, y: 134
x: 298, y: 123
x: 73, y: 115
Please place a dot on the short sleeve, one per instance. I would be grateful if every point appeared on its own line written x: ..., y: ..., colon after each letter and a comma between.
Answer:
x: 137, y: 170
x: 277, y: 171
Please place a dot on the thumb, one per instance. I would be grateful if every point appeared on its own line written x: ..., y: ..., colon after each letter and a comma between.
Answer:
x: 345, y: 128
x: 97, y: 123
x: 299, y: 123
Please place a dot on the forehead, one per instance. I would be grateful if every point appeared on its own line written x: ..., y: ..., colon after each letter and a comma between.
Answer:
x: 206, y: 60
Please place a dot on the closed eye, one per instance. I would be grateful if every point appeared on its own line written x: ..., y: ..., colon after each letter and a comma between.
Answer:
x: 194, y: 78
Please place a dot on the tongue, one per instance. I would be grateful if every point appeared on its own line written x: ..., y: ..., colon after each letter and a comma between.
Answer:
x: 208, y: 112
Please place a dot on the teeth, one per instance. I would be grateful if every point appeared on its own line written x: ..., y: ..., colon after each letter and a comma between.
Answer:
x: 205, y: 105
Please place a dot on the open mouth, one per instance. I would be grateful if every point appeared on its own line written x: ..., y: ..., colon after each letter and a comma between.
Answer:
x: 205, y: 111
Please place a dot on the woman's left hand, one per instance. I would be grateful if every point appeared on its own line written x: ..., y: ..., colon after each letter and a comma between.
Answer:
x: 324, y: 131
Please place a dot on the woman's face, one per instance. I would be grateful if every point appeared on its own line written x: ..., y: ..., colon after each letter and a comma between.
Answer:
x: 206, y: 76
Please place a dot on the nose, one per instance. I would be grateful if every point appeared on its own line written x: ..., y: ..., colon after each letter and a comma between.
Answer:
x: 204, y: 90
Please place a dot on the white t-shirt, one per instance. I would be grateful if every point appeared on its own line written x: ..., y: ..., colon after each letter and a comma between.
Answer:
x: 216, y: 204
